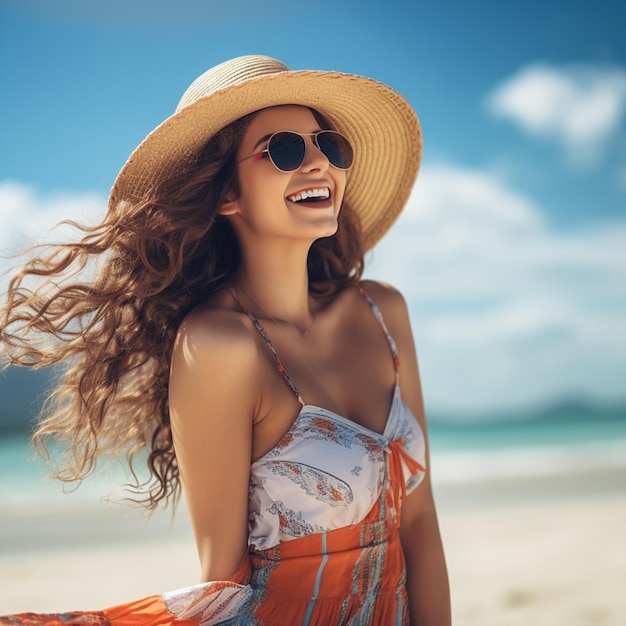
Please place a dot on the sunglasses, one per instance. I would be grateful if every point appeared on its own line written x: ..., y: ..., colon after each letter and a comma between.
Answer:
x: 287, y: 149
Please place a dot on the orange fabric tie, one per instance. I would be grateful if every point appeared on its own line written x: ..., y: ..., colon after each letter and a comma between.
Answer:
x: 397, y: 486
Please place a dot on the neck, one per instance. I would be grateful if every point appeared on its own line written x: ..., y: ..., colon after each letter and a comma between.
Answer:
x: 274, y: 285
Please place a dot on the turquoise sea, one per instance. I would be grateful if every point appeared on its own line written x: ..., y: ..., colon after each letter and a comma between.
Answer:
x: 463, y: 452
x: 506, y: 462
x: 572, y: 439
x: 557, y: 441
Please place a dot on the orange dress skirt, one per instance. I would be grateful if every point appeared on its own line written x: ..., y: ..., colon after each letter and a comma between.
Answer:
x: 353, y: 575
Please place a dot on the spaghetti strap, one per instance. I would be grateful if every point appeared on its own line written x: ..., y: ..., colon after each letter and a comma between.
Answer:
x: 379, y: 316
x: 279, y: 366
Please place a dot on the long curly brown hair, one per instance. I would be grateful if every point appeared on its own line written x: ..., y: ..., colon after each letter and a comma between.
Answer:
x: 108, y: 308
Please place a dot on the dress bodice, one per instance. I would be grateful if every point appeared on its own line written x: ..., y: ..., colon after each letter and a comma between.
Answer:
x: 327, y: 472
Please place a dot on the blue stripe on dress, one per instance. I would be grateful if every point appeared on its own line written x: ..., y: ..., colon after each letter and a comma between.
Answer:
x: 318, y: 582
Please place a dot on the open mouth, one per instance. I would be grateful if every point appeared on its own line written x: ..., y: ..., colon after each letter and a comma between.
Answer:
x: 311, y: 196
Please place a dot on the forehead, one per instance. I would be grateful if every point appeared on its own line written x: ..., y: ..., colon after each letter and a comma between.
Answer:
x: 289, y: 117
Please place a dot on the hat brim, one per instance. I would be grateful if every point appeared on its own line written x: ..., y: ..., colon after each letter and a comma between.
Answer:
x: 380, y: 124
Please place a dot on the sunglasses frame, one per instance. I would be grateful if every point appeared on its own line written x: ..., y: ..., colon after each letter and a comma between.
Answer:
x: 258, y: 155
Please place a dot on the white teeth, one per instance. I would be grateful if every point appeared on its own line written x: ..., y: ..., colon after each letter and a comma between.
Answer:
x: 322, y: 192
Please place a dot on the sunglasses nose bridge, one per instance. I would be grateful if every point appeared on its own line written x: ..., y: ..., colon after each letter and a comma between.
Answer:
x: 313, y: 152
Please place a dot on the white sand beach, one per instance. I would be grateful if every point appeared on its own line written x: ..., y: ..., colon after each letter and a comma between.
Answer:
x: 546, y: 551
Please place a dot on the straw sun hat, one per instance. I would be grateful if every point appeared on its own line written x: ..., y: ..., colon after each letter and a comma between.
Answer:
x: 380, y: 124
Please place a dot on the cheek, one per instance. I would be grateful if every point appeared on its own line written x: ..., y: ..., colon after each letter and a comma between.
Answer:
x: 263, y: 182
x: 261, y: 197
x: 342, y: 183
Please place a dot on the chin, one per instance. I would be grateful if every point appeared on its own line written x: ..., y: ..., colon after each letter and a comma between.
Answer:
x: 329, y: 232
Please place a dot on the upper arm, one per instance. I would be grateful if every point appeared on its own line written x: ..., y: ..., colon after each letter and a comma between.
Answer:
x: 213, y: 394
x: 427, y: 579
x: 396, y: 315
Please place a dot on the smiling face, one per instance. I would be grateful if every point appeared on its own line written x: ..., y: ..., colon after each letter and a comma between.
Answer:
x: 302, y: 205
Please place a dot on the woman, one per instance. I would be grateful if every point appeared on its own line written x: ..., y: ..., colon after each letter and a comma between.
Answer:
x: 228, y: 331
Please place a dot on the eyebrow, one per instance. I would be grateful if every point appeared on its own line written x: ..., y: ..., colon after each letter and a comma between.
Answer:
x: 262, y: 140
x: 266, y: 137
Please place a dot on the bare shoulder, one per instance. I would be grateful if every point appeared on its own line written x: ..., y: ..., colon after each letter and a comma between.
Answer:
x: 214, y: 338
x: 395, y: 313
x: 213, y: 351
x: 389, y: 300
x: 211, y: 333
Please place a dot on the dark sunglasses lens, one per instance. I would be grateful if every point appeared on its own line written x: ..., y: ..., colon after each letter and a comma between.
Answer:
x: 287, y: 151
x: 336, y: 148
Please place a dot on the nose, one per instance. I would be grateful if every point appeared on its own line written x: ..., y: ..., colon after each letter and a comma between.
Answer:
x: 314, y: 159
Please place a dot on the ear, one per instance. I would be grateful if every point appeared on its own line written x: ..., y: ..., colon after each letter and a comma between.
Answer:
x: 229, y: 207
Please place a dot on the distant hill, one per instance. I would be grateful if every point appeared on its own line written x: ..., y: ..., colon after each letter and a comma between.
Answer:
x: 568, y: 408
x: 22, y: 391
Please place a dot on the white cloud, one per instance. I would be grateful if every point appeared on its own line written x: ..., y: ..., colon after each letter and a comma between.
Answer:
x: 506, y: 310
x: 28, y: 218
x: 580, y: 106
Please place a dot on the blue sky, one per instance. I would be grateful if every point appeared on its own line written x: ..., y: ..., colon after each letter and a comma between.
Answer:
x: 511, y: 251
